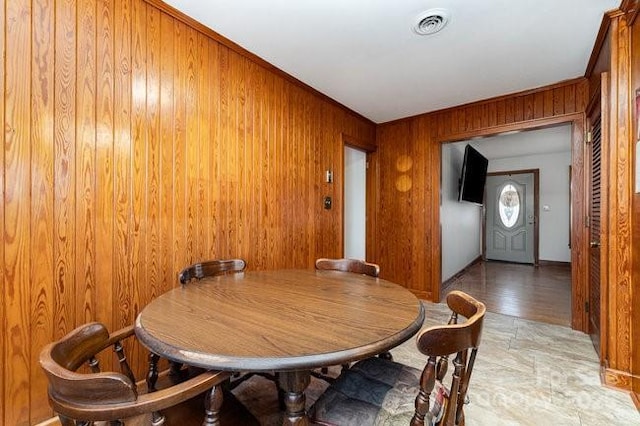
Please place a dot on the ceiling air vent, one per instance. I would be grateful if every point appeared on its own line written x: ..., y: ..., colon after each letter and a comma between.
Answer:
x: 431, y: 21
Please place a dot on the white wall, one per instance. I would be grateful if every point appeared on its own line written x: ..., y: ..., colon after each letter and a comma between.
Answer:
x: 355, y: 189
x: 554, y: 192
x: 460, y: 222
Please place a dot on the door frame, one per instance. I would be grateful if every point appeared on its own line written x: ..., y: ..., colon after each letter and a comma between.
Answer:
x: 579, y: 242
x: 536, y: 212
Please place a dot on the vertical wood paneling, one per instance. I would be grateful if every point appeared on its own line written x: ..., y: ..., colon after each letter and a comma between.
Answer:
x: 635, y: 226
x: 222, y: 140
x: 558, y: 101
x: 191, y: 143
x: 213, y: 173
x: 518, y: 109
x: 620, y: 182
x: 65, y: 166
x: 549, y: 103
x: 618, y: 54
x: 123, y: 297
x: 104, y: 172
x: 16, y: 232
x: 204, y: 157
x: 261, y: 117
x: 138, y: 165
x: 272, y: 167
x: 509, y: 110
x: 166, y: 139
x: 138, y: 145
x: 42, y: 157
x: 85, y: 160
x: 3, y: 273
x: 529, y: 113
x: 579, y: 244
x: 152, y: 261
x: 538, y: 109
x: 570, y: 99
x: 500, y: 114
x: 179, y: 141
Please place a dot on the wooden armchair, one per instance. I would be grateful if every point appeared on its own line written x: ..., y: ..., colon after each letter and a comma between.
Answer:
x: 211, y: 268
x: 348, y: 265
x: 111, y: 396
x: 377, y: 391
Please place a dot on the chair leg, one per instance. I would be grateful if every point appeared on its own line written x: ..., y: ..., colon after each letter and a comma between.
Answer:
x: 175, y: 370
x: 139, y: 420
x: 386, y: 356
x: 66, y: 421
x: 212, y: 405
x: 157, y: 419
x: 152, y: 374
x: 281, y: 393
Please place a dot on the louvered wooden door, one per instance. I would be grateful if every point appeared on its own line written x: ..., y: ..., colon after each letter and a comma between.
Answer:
x: 594, y: 140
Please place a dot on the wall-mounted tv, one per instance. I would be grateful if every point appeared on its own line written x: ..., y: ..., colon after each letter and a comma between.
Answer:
x: 473, y: 177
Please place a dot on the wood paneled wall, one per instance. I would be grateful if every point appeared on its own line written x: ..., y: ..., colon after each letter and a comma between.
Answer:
x: 410, y: 177
x: 635, y: 221
x: 630, y: 293
x: 134, y: 144
x: 618, y: 248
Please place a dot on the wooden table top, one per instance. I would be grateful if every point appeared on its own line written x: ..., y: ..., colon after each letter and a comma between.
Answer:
x: 279, y: 320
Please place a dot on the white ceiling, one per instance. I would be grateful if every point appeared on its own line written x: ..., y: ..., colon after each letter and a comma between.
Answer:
x: 550, y: 140
x: 364, y: 54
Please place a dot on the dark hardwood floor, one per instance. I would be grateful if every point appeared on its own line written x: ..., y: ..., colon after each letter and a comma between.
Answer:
x: 539, y: 293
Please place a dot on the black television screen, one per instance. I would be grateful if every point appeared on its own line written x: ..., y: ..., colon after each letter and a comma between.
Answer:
x: 473, y: 177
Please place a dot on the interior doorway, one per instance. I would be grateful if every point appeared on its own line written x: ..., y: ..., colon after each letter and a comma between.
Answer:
x: 548, y: 151
x: 355, y: 201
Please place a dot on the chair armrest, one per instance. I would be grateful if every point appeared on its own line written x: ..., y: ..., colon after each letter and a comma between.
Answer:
x: 149, y: 402
x: 121, y: 334
x: 182, y: 391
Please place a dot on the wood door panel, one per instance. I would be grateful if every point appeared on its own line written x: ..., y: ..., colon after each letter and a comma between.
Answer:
x: 595, y: 228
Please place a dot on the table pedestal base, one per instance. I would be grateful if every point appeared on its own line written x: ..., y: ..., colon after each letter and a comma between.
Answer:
x: 293, y: 384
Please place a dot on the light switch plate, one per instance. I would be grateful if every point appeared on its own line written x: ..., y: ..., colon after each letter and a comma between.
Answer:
x: 327, y: 203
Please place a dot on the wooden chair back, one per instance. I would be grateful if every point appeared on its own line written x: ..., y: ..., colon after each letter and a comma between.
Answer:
x: 348, y: 265
x: 438, y: 343
x: 211, y: 268
x: 61, y: 359
x: 110, y: 396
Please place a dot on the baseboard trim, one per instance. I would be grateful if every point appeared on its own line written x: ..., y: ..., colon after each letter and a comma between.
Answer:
x: 421, y: 294
x: 457, y: 275
x: 616, y: 379
x: 553, y: 263
x: 53, y: 421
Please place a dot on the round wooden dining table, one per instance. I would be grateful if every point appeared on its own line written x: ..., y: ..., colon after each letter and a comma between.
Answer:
x: 284, y: 321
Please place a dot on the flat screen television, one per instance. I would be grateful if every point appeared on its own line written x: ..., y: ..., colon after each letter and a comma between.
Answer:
x: 473, y: 177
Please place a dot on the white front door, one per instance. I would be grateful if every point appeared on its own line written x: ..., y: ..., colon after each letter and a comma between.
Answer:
x: 510, y: 217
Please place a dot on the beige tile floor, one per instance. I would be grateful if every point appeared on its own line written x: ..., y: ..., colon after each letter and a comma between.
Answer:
x: 526, y: 373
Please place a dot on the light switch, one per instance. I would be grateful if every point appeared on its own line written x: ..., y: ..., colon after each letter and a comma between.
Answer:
x: 327, y: 203
x: 328, y: 176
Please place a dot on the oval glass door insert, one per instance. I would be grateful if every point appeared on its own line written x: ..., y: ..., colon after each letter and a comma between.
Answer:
x: 509, y: 205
